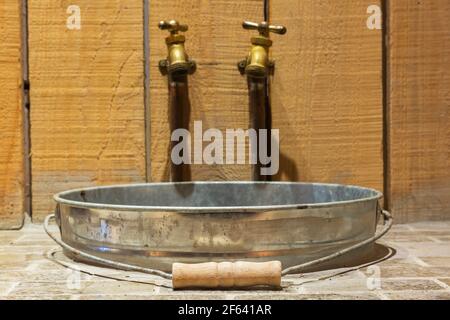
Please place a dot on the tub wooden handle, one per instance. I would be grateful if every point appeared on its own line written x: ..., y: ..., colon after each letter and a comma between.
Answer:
x: 223, y: 275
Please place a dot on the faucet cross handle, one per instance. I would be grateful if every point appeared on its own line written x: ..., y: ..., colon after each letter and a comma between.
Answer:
x: 172, y: 26
x: 264, y: 28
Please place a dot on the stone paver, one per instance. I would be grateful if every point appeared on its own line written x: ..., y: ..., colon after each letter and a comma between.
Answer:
x: 419, y: 269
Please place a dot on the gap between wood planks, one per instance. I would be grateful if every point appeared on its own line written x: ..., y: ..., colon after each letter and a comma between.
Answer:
x: 26, y: 104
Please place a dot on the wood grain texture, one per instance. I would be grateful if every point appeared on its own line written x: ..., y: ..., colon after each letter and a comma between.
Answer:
x: 87, y: 97
x: 238, y: 274
x: 218, y: 93
x: 419, y: 117
x: 11, y: 131
x: 327, y: 92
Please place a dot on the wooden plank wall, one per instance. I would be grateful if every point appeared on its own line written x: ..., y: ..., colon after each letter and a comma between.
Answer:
x: 11, y: 132
x: 87, y: 97
x: 218, y: 93
x: 419, y: 109
x: 327, y: 92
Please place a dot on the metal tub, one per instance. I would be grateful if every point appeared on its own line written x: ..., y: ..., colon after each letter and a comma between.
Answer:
x: 156, y: 224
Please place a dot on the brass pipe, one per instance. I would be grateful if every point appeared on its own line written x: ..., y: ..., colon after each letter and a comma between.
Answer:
x: 258, y: 116
x: 179, y: 117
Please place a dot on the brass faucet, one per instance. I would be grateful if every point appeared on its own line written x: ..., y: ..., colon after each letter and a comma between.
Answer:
x: 177, y: 66
x: 258, y: 64
x: 177, y: 61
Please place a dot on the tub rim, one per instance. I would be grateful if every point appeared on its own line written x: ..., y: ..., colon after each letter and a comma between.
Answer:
x: 59, y: 198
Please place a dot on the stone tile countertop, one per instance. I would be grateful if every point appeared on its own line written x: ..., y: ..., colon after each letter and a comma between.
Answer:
x: 419, y: 268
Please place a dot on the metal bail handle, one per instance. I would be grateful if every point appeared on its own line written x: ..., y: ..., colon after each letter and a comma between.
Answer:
x: 224, y: 274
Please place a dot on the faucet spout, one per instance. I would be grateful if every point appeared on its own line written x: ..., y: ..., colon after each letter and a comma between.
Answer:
x: 258, y: 64
x: 177, y: 61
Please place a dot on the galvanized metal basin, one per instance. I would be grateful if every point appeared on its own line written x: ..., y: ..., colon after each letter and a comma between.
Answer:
x: 156, y: 224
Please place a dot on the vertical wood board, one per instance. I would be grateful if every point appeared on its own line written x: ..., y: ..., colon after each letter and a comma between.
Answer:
x: 419, y: 110
x: 327, y: 92
x: 11, y: 126
x: 87, y: 96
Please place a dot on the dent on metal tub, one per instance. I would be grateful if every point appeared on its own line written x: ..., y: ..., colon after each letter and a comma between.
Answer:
x: 157, y: 224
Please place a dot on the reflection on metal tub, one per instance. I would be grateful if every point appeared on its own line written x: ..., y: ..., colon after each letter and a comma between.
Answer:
x: 157, y: 224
